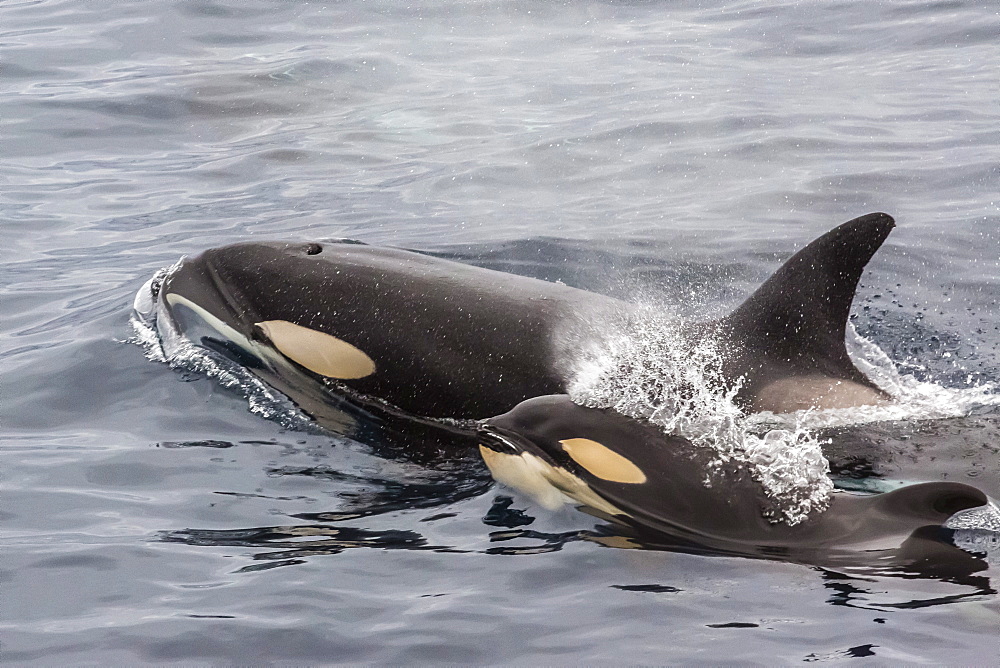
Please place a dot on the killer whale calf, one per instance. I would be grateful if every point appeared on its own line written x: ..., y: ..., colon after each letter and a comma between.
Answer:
x: 428, y: 337
x: 631, y: 473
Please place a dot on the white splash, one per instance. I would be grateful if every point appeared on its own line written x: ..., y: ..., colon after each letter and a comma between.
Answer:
x: 985, y: 518
x: 162, y: 342
x: 978, y: 530
x: 650, y: 369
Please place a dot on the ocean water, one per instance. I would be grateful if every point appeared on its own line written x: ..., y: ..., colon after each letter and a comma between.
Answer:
x: 670, y: 152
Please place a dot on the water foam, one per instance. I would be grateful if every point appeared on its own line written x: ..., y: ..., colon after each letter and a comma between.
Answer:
x: 978, y: 530
x: 156, y: 334
x: 650, y: 368
x: 986, y: 518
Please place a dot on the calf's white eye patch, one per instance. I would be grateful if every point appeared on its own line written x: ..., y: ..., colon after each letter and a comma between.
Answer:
x: 318, y: 351
x: 602, y: 462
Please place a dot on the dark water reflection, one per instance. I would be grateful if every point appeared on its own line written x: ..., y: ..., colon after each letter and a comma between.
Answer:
x: 447, y: 474
x: 293, y: 544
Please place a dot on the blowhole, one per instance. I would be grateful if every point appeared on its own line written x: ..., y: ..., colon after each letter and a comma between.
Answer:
x: 314, y: 249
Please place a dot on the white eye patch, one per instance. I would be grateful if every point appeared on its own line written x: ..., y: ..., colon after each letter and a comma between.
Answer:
x: 602, y: 462
x: 318, y: 351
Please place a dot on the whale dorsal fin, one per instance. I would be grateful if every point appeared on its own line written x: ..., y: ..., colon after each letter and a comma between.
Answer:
x: 798, y: 318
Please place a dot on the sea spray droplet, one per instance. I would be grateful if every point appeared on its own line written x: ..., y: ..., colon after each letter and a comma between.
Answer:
x: 650, y: 368
x: 985, y: 518
x: 788, y: 464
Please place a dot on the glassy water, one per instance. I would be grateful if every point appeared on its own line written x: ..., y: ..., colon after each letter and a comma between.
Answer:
x: 647, y: 150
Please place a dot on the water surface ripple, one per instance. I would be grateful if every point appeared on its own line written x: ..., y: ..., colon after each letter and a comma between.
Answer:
x: 651, y: 149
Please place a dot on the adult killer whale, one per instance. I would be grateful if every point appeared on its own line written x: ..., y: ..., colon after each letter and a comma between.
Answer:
x: 434, y: 338
x: 632, y: 474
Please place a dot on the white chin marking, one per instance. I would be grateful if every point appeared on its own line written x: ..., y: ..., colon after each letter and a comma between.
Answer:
x: 215, y: 323
x: 549, y: 486
x: 318, y: 351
